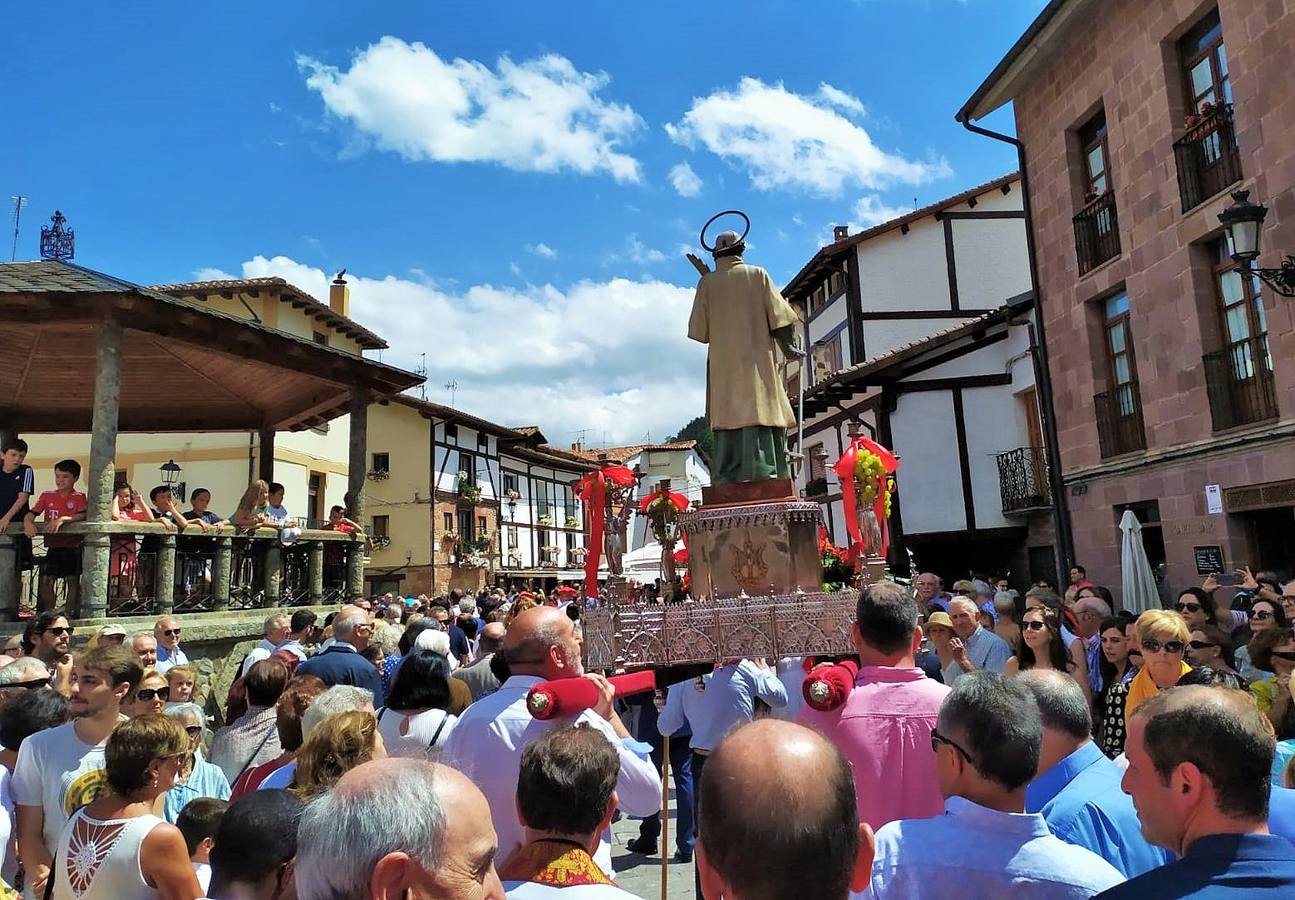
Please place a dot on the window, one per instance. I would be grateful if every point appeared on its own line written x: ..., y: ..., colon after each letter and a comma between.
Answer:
x: 658, y: 459
x: 315, y: 498
x: 468, y: 464
x: 481, y: 525
x: 510, y: 482
x: 382, y: 462
x: 1097, y: 156
x: 1239, y: 376
x: 542, y: 505
x: 451, y: 431
x: 827, y: 357
x: 1119, y: 409
x: 482, y: 441
x: 448, y: 521
x: 467, y: 530
x: 512, y: 537
x: 380, y: 527
x: 571, y: 544
x: 1241, y: 306
x: 835, y: 283
x: 1205, y: 65
x: 1119, y: 348
x: 321, y: 338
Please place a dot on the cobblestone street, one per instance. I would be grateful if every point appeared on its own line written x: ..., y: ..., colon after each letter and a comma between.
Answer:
x: 640, y: 874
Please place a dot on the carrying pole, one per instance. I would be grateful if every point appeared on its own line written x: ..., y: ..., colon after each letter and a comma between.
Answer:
x: 665, y: 813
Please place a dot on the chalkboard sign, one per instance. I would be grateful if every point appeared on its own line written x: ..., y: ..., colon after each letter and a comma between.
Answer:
x: 1208, y: 559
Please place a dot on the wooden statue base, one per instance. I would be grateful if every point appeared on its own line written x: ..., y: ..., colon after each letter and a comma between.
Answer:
x: 749, y: 492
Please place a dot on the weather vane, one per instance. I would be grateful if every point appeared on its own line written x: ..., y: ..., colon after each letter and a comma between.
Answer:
x: 57, y: 242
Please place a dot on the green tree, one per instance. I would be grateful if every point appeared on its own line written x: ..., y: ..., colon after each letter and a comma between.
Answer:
x: 698, y: 430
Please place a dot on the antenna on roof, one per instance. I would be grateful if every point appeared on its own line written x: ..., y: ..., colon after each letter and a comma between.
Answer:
x: 451, y: 386
x: 18, y: 203
x: 421, y: 371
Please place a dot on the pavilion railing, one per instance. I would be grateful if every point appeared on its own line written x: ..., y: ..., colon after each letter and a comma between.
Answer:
x: 153, y: 571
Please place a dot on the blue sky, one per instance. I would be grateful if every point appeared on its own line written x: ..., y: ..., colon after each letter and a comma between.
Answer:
x: 512, y: 185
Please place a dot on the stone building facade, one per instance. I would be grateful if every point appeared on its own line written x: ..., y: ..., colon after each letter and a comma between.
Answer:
x: 1174, y: 381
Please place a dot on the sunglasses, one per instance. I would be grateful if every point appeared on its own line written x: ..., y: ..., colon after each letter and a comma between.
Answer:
x: 1288, y: 655
x: 937, y: 739
x: 58, y: 632
x: 1154, y: 646
x: 32, y: 685
x: 1188, y: 607
x: 171, y: 632
x: 193, y: 730
x: 1263, y: 615
x: 1034, y: 626
x: 1200, y: 645
x: 148, y: 694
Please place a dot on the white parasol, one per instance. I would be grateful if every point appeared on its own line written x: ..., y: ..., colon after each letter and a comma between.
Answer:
x: 1136, y: 581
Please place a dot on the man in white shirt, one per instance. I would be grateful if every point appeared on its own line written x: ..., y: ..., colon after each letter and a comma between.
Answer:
x: 277, y: 627
x: 566, y: 797
x: 489, y: 738
x: 167, y: 634
x: 61, y: 769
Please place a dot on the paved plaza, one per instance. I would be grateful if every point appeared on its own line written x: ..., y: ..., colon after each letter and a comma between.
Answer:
x: 640, y: 874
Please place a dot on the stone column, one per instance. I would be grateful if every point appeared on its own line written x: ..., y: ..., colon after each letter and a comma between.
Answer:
x: 10, y: 585
x: 164, y: 577
x: 355, y: 570
x: 99, y: 478
x: 265, y: 459
x: 221, y: 576
x: 273, y: 575
x: 316, y: 573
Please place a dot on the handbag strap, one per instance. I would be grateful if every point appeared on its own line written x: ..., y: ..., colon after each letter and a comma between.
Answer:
x: 445, y: 717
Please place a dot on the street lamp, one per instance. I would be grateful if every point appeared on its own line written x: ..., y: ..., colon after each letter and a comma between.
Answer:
x: 170, y: 473
x: 1243, y: 222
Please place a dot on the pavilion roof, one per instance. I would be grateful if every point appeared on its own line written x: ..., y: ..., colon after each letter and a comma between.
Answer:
x: 185, y: 366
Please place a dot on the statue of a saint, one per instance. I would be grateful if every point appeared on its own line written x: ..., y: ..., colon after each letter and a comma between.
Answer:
x: 742, y: 316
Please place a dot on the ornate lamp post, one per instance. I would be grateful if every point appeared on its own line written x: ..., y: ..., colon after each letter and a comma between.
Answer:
x: 1244, y: 221
x: 170, y: 472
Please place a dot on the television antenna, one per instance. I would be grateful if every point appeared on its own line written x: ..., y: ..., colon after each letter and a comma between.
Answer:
x: 422, y: 372
x: 452, y: 386
x: 18, y: 203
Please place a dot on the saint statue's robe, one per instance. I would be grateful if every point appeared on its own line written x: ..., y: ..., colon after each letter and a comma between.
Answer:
x: 743, y: 318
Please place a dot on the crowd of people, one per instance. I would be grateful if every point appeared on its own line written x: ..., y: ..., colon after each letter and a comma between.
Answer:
x: 992, y: 745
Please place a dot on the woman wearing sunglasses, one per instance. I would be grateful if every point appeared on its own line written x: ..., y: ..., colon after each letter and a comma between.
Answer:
x: 1209, y: 646
x: 114, y: 848
x: 149, y: 697
x: 1265, y: 615
x: 203, y: 779
x: 1274, y: 649
x: 1118, y: 669
x: 1162, y: 638
x: 1043, y: 648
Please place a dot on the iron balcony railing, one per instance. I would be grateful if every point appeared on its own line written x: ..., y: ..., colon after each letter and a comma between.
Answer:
x: 1207, y: 156
x: 153, y: 571
x: 1239, y: 381
x: 1023, y: 480
x: 1097, y: 233
x: 1119, y: 420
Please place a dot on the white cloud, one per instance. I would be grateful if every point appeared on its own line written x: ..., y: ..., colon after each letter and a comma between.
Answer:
x: 788, y: 140
x: 589, y: 356
x: 636, y: 252
x: 538, y: 115
x: 685, y: 180
x: 872, y: 210
x: 274, y: 107
x: 543, y: 250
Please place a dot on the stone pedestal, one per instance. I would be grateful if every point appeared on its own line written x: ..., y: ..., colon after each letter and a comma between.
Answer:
x: 757, y: 549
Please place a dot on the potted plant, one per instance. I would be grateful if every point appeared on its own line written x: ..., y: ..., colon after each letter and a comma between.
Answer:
x: 573, y: 522
x: 467, y: 488
x: 545, y: 520
x: 379, y: 475
x: 512, y: 494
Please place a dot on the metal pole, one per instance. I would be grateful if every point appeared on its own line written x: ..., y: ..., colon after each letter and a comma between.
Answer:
x: 665, y: 813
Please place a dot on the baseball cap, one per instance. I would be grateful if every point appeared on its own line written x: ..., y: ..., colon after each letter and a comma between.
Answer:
x: 107, y: 630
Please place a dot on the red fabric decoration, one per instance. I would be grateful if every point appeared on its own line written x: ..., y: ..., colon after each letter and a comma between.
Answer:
x: 827, y: 689
x: 572, y: 696
x: 679, y: 500
x: 844, y: 469
x: 592, y: 491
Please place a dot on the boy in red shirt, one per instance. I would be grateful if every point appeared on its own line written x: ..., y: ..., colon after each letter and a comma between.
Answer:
x: 62, y: 552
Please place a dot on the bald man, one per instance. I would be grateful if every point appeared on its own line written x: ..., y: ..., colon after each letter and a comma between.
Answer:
x: 441, y: 846
x: 476, y: 674
x: 777, y: 818
x: 487, y: 743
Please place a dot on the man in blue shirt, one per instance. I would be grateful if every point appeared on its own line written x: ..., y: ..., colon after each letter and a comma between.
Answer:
x: 1078, y: 787
x: 342, y: 663
x: 984, y: 649
x: 1199, y: 773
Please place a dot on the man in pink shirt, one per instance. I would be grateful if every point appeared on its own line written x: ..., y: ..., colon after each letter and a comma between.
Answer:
x: 884, y: 727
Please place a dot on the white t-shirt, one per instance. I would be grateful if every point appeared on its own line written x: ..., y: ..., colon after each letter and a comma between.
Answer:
x: 203, y: 871
x: 7, y: 827
x: 58, y: 772
x: 418, y: 734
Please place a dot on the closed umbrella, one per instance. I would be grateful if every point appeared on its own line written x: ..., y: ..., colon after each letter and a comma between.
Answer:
x: 1138, y: 584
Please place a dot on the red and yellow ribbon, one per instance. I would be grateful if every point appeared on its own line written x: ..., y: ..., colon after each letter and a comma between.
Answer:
x: 592, y: 491
x: 845, y: 471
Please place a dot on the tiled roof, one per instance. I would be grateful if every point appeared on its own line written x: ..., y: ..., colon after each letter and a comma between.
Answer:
x: 58, y: 277
x: 836, y: 248
x: 286, y: 291
x: 620, y: 454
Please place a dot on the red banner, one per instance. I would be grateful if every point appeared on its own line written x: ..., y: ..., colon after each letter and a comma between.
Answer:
x: 592, y: 491
x: 845, y: 471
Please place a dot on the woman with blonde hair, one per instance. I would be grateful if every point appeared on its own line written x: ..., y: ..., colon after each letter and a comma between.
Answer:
x: 254, y: 508
x: 1162, y: 637
x: 114, y: 848
x: 334, y: 747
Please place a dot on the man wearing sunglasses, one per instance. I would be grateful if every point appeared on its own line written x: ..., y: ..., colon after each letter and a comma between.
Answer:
x: 167, y: 634
x: 49, y: 639
x: 25, y: 674
x: 61, y: 769
x: 987, y: 747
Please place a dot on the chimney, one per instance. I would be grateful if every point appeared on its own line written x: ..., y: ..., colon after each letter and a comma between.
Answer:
x: 578, y: 446
x: 840, y: 232
x: 339, y: 295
